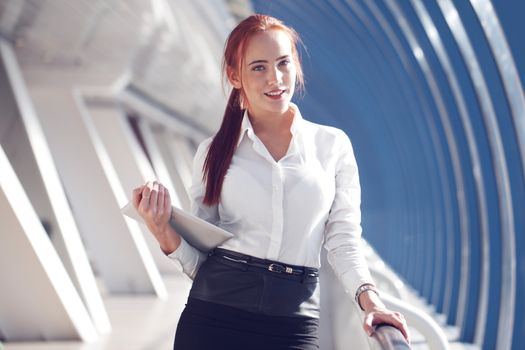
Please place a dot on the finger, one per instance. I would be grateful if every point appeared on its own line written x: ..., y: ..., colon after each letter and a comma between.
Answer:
x: 367, y: 324
x: 136, y: 196
x: 154, y: 197
x: 167, y: 202
x: 406, y: 332
x: 397, y: 322
x: 160, y: 200
x: 146, y: 192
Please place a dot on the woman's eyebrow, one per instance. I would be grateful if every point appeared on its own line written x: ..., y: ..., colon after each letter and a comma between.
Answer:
x: 265, y: 61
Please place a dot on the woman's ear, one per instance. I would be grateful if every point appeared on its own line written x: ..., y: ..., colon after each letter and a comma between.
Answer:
x: 234, y: 78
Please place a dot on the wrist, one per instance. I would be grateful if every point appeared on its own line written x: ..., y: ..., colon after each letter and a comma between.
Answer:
x: 367, y: 297
x: 168, y: 239
x: 170, y: 246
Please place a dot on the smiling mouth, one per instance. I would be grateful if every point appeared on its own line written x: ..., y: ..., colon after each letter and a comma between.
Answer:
x: 275, y: 93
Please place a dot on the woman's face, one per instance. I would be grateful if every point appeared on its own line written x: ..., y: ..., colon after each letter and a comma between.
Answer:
x: 268, y: 73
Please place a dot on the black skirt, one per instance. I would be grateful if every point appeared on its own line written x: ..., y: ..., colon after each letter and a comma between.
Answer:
x: 204, y: 325
x: 233, y: 306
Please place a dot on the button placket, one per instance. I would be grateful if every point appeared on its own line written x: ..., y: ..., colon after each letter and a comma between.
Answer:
x: 277, y: 212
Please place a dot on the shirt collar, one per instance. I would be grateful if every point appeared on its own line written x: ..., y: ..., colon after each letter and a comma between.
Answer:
x: 247, y: 128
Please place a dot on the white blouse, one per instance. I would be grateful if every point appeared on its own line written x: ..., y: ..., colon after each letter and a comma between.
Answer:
x: 286, y: 210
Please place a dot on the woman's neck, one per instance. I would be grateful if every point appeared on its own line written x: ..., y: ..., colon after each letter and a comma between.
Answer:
x: 271, y: 123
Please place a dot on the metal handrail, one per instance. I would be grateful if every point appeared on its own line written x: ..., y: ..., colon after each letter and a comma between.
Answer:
x: 387, y: 337
x: 424, y: 324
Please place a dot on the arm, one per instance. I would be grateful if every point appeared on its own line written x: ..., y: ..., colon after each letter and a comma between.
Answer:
x: 190, y: 257
x: 153, y: 203
x: 343, y: 243
x: 343, y: 227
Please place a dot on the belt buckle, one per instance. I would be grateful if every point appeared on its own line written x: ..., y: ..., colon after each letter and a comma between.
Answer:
x: 276, y: 268
x: 279, y: 268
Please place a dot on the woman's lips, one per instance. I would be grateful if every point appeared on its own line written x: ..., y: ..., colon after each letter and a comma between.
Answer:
x: 275, y: 94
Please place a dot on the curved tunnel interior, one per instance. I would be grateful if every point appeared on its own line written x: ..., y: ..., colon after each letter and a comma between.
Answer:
x: 429, y: 92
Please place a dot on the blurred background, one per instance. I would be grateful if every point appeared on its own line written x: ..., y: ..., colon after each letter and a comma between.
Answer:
x: 99, y: 96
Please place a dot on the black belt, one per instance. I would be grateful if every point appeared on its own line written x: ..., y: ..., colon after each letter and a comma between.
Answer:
x: 270, y: 265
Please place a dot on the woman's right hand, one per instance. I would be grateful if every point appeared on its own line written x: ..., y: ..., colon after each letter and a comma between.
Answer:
x: 152, y: 202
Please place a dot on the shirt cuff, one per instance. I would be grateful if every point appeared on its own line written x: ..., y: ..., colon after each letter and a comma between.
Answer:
x: 189, y: 257
x: 181, y: 251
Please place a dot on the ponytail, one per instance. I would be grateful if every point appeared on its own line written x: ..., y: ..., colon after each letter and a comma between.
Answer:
x: 221, y: 150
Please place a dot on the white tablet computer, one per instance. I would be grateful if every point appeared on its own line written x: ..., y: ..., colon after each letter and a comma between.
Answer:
x: 197, y: 232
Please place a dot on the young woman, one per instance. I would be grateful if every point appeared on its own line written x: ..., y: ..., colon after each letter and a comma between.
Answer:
x: 284, y: 187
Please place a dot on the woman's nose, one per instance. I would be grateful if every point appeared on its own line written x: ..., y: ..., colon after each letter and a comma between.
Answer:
x: 274, y: 77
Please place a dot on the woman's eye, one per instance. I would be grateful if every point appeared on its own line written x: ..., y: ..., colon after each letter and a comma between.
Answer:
x: 285, y: 62
x: 258, y: 68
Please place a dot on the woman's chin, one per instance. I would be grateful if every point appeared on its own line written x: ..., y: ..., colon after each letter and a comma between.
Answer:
x: 280, y: 106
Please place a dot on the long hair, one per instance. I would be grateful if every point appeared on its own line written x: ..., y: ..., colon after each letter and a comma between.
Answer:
x: 225, y: 140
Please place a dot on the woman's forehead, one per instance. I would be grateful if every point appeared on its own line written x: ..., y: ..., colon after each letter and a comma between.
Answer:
x: 268, y: 45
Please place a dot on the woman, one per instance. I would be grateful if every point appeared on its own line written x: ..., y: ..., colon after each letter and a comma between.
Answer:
x: 284, y: 187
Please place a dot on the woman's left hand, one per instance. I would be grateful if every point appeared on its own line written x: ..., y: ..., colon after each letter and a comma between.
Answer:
x: 376, y: 313
x: 379, y: 315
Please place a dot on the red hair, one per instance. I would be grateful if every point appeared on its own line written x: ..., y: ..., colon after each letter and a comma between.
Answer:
x: 223, y: 146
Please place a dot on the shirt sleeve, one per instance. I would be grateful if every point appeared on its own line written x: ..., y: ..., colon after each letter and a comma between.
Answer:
x: 343, y: 227
x: 190, y: 257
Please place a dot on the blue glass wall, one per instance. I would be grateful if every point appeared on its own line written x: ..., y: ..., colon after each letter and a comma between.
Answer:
x: 437, y: 141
